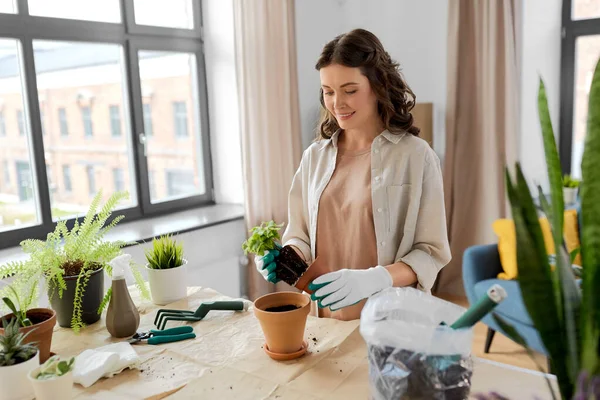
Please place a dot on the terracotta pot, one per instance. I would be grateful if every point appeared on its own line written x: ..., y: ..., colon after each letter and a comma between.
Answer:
x: 43, y: 320
x: 316, y: 269
x: 284, y: 331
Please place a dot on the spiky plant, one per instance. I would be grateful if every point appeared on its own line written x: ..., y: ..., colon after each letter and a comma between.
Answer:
x: 77, y: 252
x: 166, y: 253
x: 567, y: 319
x: 12, y: 349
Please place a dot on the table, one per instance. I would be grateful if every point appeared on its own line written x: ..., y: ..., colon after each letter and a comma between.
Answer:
x: 226, y: 361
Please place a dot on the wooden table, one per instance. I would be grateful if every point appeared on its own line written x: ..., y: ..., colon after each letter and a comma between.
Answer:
x: 226, y: 361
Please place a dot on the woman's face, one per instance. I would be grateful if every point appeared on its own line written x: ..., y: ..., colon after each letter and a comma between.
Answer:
x: 348, y: 96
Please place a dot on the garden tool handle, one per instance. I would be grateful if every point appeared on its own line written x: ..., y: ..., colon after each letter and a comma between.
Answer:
x: 170, y: 338
x: 233, y: 305
x: 172, y: 331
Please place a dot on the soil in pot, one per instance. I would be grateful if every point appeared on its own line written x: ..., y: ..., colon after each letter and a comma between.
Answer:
x: 92, y: 297
x: 288, y: 307
x: 43, y: 320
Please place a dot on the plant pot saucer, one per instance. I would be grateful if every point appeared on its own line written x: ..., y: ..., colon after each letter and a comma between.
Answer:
x: 286, y: 356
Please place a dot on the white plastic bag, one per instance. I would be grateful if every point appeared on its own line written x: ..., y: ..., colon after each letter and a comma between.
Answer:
x: 412, y: 356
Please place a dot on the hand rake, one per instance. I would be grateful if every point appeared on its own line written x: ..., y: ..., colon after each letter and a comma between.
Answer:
x: 165, y: 315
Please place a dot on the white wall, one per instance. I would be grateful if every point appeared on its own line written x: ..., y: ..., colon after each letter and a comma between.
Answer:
x: 541, y: 40
x: 413, y: 32
x: 219, y: 47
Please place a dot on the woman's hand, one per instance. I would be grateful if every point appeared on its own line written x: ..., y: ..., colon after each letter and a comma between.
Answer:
x: 347, y: 287
x: 266, y: 264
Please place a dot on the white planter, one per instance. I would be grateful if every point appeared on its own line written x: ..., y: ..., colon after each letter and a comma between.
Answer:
x: 570, y: 195
x: 51, y: 389
x: 14, y: 384
x: 168, y: 285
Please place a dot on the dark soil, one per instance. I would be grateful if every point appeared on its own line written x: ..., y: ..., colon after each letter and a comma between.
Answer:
x: 73, y: 268
x: 290, y: 266
x: 38, y: 317
x: 288, y: 307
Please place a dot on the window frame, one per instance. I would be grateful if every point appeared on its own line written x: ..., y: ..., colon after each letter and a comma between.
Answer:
x: 26, y: 28
x: 572, y: 29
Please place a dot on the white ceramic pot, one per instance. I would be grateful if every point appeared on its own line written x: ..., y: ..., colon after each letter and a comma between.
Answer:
x: 14, y: 384
x: 51, y: 389
x: 168, y: 285
x: 570, y: 195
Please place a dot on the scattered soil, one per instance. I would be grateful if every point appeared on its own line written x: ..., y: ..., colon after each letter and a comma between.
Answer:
x: 290, y: 266
x: 288, y: 307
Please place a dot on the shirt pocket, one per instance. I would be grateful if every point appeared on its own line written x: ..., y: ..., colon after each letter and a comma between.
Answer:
x: 398, y: 197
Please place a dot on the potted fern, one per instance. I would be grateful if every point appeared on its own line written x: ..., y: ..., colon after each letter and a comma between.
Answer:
x: 567, y: 318
x: 53, y: 379
x: 71, y: 263
x: 36, y: 324
x: 167, y: 270
x: 17, y: 358
x: 570, y: 188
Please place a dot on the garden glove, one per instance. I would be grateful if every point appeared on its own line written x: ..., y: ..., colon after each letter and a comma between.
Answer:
x: 347, y: 287
x: 266, y: 265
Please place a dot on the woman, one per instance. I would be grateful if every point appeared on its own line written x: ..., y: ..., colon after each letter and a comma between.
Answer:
x: 367, y: 198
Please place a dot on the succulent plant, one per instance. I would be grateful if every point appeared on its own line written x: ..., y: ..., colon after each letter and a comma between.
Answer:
x: 12, y: 349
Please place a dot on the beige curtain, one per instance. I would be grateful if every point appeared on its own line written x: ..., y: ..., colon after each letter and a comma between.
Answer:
x: 481, y: 123
x: 270, y: 122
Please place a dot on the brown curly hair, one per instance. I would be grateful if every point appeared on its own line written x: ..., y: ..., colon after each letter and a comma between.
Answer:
x: 362, y: 49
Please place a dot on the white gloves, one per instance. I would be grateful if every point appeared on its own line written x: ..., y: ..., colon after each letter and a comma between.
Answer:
x: 265, y: 265
x: 347, y: 287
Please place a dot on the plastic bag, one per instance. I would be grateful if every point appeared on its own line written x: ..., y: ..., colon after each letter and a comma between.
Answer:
x: 412, y: 356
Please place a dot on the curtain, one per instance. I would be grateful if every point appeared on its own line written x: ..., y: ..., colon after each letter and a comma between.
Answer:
x: 269, y: 113
x: 482, y: 123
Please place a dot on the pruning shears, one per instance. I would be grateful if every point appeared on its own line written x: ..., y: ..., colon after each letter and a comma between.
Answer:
x: 156, y: 336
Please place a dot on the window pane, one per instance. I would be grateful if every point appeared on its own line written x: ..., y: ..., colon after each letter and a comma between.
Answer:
x: 115, y: 120
x: 148, y: 119
x: 18, y: 194
x: 7, y: 6
x: 80, y: 83
x: 587, y: 52
x: 173, y: 14
x: 585, y: 9
x: 175, y: 145
x: 100, y: 11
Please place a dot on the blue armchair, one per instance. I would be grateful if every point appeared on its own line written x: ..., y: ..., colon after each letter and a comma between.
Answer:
x: 481, y: 265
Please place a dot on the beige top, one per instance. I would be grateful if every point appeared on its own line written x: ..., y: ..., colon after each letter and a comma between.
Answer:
x: 407, y: 203
x: 345, y: 229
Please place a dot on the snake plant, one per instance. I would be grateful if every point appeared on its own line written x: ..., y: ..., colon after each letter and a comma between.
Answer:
x: 567, y: 318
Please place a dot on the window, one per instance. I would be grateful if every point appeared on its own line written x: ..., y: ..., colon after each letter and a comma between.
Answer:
x: 115, y: 120
x: 580, y: 52
x: 62, y: 120
x: 6, y: 170
x: 91, y: 177
x: 2, y: 124
x: 119, y: 179
x: 98, y: 85
x: 86, y: 116
x: 180, y: 118
x: 66, y: 171
x: 147, y: 119
x: 21, y: 123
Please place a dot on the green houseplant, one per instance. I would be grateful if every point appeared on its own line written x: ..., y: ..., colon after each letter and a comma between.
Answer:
x: 167, y: 270
x: 36, y: 324
x: 570, y: 188
x: 567, y: 319
x: 71, y: 262
x: 17, y: 358
x: 53, y: 379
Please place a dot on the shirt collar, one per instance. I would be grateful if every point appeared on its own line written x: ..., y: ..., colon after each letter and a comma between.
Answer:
x: 393, y: 138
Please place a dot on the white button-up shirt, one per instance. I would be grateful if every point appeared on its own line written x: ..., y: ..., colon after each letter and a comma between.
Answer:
x: 407, y: 196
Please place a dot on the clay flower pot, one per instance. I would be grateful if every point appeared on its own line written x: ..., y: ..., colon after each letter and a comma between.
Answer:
x: 282, y: 317
x: 316, y: 269
x: 43, y: 320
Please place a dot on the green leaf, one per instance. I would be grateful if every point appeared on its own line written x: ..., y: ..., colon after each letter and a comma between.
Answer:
x: 512, y: 333
x: 10, y: 305
x: 535, y: 279
x: 590, y: 230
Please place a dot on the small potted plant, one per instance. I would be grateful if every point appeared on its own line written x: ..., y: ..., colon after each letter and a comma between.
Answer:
x: 36, y: 324
x: 72, y: 262
x: 53, y: 379
x: 17, y: 358
x: 570, y: 188
x: 167, y: 271
x: 290, y: 267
